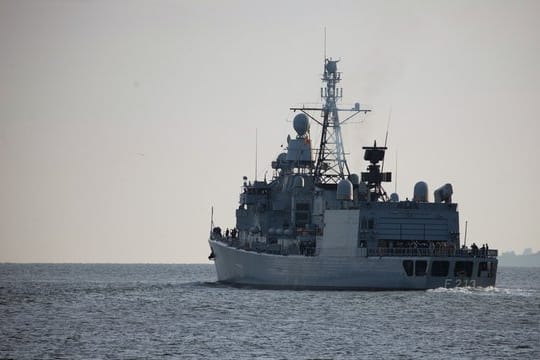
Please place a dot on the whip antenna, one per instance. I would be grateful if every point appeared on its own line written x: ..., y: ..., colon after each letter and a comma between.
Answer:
x: 324, y: 62
x: 395, y: 183
x: 256, y: 155
x: 386, y: 137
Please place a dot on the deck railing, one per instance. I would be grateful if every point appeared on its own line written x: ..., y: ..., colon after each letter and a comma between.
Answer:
x: 276, y: 248
x: 440, y: 252
x: 310, y: 250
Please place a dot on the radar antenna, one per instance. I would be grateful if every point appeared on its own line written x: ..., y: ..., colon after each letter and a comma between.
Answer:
x: 374, y: 176
x: 331, y: 165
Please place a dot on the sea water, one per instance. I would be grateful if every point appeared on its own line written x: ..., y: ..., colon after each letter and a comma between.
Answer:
x: 76, y: 311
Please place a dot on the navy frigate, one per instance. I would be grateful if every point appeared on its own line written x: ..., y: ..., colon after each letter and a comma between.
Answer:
x: 317, y: 225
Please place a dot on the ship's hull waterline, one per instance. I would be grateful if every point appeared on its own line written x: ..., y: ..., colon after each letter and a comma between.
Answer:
x: 262, y: 270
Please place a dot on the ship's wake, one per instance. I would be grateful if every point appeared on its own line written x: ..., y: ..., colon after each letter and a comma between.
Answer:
x: 490, y: 290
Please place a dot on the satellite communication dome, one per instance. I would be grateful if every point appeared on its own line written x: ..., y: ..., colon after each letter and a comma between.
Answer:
x: 420, y: 192
x: 301, y: 124
x: 344, y: 190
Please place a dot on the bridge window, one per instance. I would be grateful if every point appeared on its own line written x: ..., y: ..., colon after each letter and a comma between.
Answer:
x: 408, y: 266
x: 440, y: 268
x: 420, y: 268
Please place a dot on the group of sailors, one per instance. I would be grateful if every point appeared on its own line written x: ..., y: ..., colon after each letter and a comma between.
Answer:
x: 229, y: 234
x: 476, y: 251
x: 431, y: 245
x: 439, y: 248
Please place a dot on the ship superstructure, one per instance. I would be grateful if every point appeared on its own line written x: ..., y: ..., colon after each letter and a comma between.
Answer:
x: 317, y: 225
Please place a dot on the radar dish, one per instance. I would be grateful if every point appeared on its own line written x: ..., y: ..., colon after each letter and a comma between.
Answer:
x: 301, y: 124
x: 331, y: 66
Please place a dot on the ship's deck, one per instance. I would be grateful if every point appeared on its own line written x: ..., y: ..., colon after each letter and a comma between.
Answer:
x: 442, y: 252
x: 311, y: 250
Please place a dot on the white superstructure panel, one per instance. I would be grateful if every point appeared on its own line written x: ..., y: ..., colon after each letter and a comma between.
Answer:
x: 340, y: 233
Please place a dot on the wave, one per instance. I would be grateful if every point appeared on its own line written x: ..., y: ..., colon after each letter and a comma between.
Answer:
x: 490, y: 290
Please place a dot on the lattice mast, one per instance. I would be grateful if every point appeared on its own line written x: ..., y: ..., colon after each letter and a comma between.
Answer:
x: 331, y: 165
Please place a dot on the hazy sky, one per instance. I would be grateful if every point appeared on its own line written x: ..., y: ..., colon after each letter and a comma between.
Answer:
x: 123, y: 122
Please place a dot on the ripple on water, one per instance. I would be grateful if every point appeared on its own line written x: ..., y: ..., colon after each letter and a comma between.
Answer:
x: 179, y: 311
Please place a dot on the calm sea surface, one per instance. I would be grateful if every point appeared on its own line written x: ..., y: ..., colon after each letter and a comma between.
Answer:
x: 178, y: 311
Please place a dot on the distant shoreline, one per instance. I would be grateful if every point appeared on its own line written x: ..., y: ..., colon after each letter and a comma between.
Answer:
x: 511, y: 259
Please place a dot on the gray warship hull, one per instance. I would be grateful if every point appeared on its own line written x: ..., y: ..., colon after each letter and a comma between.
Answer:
x: 317, y: 225
x: 248, y: 268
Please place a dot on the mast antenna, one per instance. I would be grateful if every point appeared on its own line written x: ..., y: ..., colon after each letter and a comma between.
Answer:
x: 212, y: 219
x: 324, y: 60
x: 331, y: 164
x: 388, y: 126
x: 395, y: 183
x: 256, y: 155
x: 386, y: 136
x: 465, y: 241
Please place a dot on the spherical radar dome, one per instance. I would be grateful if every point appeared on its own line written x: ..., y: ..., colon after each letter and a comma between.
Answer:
x: 301, y: 124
